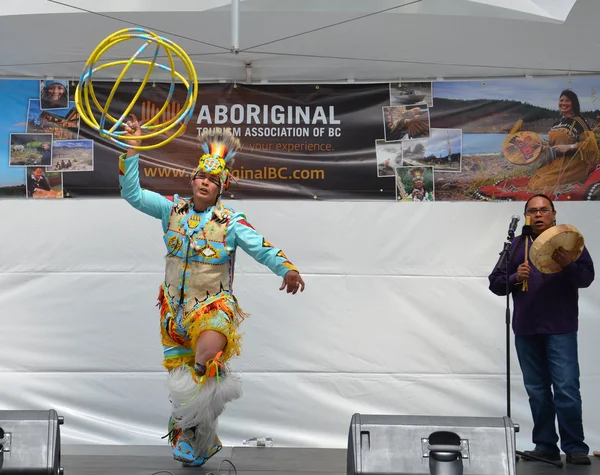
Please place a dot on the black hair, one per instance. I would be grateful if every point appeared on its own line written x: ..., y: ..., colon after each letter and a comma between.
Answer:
x: 574, y: 99
x: 539, y: 195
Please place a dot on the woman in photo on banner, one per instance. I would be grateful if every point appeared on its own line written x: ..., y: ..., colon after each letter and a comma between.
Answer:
x: 570, y: 158
x: 199, y: 314
x: 54, y: 94
x: 572, y: 147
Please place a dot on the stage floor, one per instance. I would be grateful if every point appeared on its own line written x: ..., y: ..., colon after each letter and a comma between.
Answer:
x: 147, y: 460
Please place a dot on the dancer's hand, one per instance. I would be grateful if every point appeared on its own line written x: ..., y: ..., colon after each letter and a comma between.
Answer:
x: 293, y: 282
x: 133, y: 129
x: 523, y: 272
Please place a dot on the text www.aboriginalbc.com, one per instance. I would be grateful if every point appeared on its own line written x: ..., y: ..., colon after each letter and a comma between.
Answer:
x: 265, y: 173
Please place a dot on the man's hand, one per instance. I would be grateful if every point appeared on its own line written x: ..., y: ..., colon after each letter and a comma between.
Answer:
x: 292, y: 281
x: 562, y: 257
x: 523, y: 272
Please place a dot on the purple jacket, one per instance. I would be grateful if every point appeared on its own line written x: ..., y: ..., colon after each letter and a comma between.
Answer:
x: 550, y: 305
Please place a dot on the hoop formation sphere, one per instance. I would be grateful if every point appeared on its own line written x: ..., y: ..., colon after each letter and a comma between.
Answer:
x: 85, y: 96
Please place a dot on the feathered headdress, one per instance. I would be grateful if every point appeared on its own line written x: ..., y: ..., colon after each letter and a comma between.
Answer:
x: 417, y: 174
x: 219, y: 147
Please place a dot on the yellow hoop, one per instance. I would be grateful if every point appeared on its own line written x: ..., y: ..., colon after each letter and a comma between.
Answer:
x: 85, y: 89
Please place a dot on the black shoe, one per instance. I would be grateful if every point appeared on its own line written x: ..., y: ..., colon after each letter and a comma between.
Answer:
x: 543, y: 454
x: 578, y: 458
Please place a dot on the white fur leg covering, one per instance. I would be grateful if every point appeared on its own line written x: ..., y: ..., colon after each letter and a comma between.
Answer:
x: 199, y: 406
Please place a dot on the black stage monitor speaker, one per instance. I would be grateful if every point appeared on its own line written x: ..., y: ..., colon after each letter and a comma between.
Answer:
x: 30, y: 443
x: 399, y: 445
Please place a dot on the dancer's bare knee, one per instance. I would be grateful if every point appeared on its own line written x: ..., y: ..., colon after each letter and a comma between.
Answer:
x: 209, y: 344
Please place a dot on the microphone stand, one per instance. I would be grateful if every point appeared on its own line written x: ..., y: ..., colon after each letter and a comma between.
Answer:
x: 503, y: 260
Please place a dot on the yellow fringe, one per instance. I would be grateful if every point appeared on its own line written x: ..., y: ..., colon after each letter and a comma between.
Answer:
x: 204, y: 318
x: 588, y: 150
x: 173, y: 363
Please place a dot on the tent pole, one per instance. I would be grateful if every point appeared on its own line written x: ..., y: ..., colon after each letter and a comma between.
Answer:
x: 235, y: 26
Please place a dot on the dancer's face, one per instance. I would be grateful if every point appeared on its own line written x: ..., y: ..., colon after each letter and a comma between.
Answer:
x: 205, y: 188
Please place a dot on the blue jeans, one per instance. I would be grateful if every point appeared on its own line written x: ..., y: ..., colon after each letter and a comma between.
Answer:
x: 550, y: 365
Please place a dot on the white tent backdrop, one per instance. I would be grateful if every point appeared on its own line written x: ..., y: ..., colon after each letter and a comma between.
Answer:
x: 426, y: 39
x: 396, y: 317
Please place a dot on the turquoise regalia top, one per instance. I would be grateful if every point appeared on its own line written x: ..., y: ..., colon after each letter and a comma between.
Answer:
x: 197, y: 291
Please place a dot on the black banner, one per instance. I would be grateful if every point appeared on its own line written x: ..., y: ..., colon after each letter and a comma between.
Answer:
x: 298, y: 141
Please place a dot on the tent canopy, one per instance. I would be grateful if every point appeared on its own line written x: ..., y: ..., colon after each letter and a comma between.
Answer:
x: 313, y: 40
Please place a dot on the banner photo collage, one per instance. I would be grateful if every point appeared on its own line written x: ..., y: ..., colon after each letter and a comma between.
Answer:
x: 503, y: 139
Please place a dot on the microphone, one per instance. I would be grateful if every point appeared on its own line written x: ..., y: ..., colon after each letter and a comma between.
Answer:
x: 513, y: 224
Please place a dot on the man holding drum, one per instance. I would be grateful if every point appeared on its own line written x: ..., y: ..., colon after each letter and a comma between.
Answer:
x: 545, y: 323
